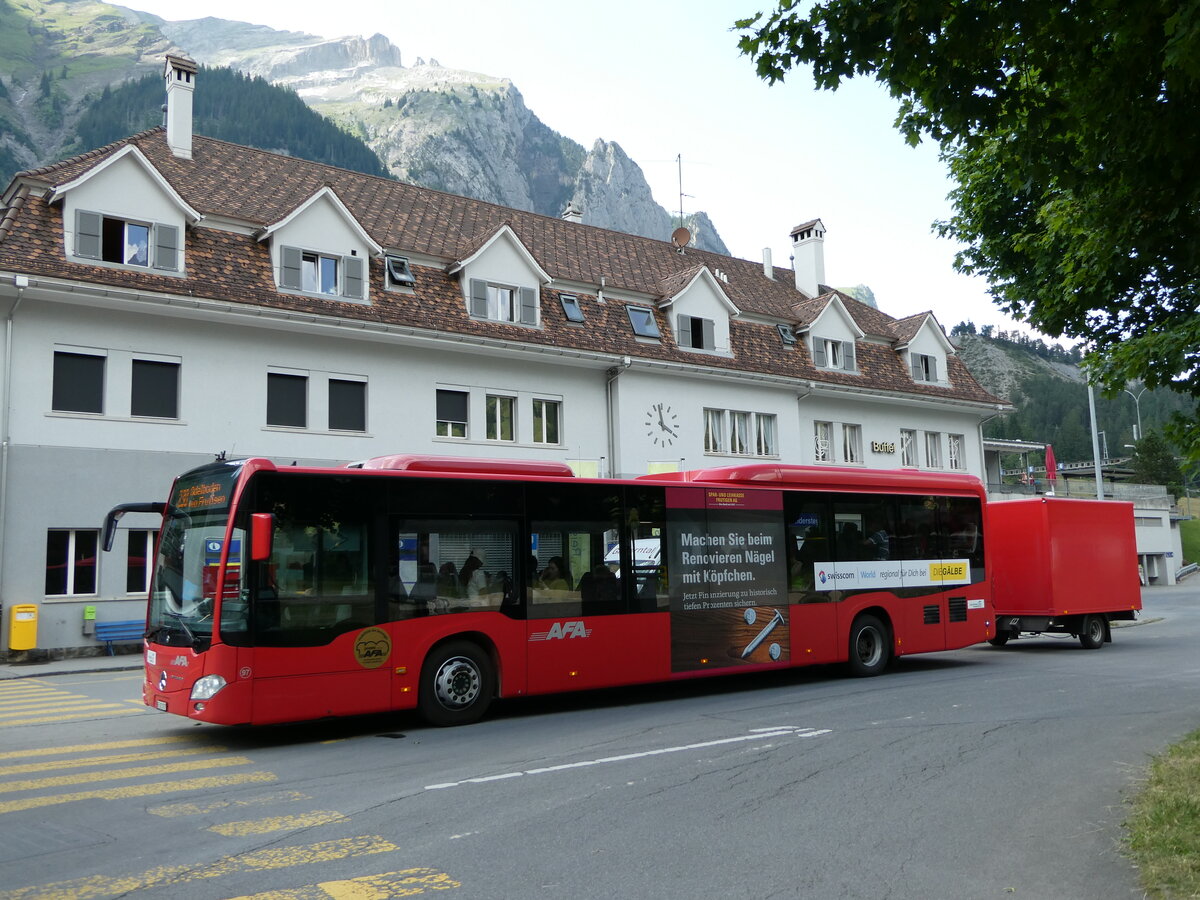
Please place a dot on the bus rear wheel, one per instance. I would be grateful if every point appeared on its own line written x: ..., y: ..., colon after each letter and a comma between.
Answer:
x: 1092, y: 634
x: 870, y: 646
x: 457, y: 684
x: 1000, y: 639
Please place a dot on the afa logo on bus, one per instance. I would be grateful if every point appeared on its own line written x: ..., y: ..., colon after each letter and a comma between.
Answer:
x: 561, y: 631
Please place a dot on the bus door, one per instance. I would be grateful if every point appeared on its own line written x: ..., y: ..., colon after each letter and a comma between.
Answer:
x: 583, y: 629
x: 966, y: 583
x: 810, y: 559
x: 320, y: 645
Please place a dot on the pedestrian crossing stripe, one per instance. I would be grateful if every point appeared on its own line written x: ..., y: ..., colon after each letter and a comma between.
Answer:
x: 136, y: 790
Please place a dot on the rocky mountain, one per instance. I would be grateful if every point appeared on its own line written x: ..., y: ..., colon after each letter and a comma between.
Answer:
x: 449, y: 129
x: 1002, y: 366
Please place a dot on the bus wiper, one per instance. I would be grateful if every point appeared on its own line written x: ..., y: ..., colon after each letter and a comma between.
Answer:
x: 187, y: 632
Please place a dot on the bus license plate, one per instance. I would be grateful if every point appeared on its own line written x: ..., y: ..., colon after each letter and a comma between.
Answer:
x: 160, y: 704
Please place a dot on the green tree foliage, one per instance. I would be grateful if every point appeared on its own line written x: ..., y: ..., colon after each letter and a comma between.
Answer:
x: 1071, y: 131
x: 232, y: 107
x: 1154, y: 463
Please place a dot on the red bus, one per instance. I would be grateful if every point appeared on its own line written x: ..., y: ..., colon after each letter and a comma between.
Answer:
x: 294, y: 593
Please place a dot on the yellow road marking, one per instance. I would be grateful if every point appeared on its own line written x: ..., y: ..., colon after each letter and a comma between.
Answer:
x: 137, y: 790
x: 405, y: 883
x: 39, y: 702
x: 137, y: 772
x: 97, y: 886
x: 84, y: 715
x: 32, y: 692
x: 199, y: 809
x: 114, y: 759
x: 93, y: 748
x: 278, y: 823
x: 66, y: 706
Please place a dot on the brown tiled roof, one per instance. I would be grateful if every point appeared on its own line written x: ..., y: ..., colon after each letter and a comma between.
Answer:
x: 260, y: 188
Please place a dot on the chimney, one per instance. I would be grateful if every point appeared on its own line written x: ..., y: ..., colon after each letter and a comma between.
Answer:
x: 572, y: 213
x: 808, y: 255
x: 181, y: 81
x: 768, y: 266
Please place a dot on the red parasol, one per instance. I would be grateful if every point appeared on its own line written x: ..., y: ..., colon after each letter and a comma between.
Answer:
x: 1051, y: 465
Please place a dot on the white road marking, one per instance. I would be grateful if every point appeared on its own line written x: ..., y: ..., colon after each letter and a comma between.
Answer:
x: 757, y: 734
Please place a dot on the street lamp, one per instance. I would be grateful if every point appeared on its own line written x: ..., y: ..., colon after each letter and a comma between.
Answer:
x: 1137, y: 402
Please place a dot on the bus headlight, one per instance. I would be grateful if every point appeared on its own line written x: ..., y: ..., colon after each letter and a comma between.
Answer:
x: 207, y: 687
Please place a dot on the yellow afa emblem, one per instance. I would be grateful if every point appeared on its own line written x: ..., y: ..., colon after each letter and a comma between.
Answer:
x: 372, y: 648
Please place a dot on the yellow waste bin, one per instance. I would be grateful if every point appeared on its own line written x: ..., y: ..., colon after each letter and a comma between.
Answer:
x: 22, y: 627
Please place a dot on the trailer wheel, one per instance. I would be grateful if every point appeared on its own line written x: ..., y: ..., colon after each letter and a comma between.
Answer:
x: 1092, y: 635
x: 457, y: 684
x: 1000, y: 639
x: 870, y: 646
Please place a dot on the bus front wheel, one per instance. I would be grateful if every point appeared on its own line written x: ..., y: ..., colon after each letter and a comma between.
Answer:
x: 457, y: 684
x: 870, y: 646
x: 1092, y: 635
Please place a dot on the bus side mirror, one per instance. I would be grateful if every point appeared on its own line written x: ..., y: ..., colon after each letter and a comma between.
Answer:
x: 114, y: 516
x: 262, y: 531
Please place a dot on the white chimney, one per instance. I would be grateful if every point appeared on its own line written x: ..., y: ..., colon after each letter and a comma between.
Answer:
x: 572, y: 213
x: 181, y: 81
x: 808, y: 254
x: 768, y: 266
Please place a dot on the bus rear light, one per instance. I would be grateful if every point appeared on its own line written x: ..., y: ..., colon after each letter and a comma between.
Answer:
x: 207, y: 687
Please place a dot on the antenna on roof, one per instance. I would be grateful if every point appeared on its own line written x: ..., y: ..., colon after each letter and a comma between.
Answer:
x: 679, y: 161
x: 681, y: 237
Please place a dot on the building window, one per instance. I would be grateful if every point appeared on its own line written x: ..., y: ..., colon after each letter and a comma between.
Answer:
x: 908, y: 448
x: 503, y: 303
x: 399, y: 272
x: 924, y: 367
x: 571, y: 308
x: 321, y: 273
x: 933, y: 449
x: 695, y: 333
x: 829, y: 354
x: 287, y: 400
x: 500, y: 416
x: 78, y: 383
x: 546, y: 415
x: 71, y: 562
x: 955, y: 446
x: 823, y: 441
x: 764, y: 435
x: 714, y: 431
x: 642, y: 320
x: 786, y: 335
x: 139, y: 561
x: 155, y: 389
x: 852, y: 443
x: 347, y: 405
x: 452, y: 414
x: 739, y: 432
x: 126, y: 243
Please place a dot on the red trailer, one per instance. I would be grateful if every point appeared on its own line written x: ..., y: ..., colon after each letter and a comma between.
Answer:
x: 1062, y: 567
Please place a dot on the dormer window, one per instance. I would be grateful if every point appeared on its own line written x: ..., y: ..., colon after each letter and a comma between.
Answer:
x: 399, y: 272
x: 642, y: 320
x: 126, y: 242
x: 319, y: 273
x: 830, y: 354
x: 571, y: 308
x: 924, y: 367
x: 694, y: 333
x: 786, y: 335
x: 503, y: 302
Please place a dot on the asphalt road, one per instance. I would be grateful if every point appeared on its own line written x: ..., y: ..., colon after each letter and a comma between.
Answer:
x: 980, y: 773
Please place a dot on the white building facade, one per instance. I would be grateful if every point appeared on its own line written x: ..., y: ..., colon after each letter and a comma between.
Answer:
x: 171, y: 297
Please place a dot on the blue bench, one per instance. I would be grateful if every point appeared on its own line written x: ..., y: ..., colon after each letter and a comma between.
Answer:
x: 109, y: 632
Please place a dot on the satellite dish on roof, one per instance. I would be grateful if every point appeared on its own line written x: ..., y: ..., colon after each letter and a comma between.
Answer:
x: 681, y: 237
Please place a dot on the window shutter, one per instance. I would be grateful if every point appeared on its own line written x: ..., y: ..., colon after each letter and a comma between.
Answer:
x: 685, y: 330
x: 529, y: 306
x: 479, y: 298
x: 933, y: 375
x: 87, y: 234
x: 710, y: 340
x: 818, y: 353
x: 352, y: 272
x: 848, y: 356
x: 289, y: 267
x: 915, y: 359
x: 166, y: 247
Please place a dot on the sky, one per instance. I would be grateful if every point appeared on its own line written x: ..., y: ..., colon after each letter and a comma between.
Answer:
x: 665, y: 80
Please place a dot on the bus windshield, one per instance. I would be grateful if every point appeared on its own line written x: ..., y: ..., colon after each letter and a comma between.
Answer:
x: 183, y: 591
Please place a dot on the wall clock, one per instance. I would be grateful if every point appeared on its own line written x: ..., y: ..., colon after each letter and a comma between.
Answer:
x: 662, y: 425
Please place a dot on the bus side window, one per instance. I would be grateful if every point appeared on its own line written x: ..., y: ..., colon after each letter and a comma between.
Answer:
x: 574, y: 531
x: 646, y: 529
x: 808, y: 525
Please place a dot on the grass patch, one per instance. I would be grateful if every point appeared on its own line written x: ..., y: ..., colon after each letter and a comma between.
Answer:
x: 1164, y: 825
x: 1189, y: 536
